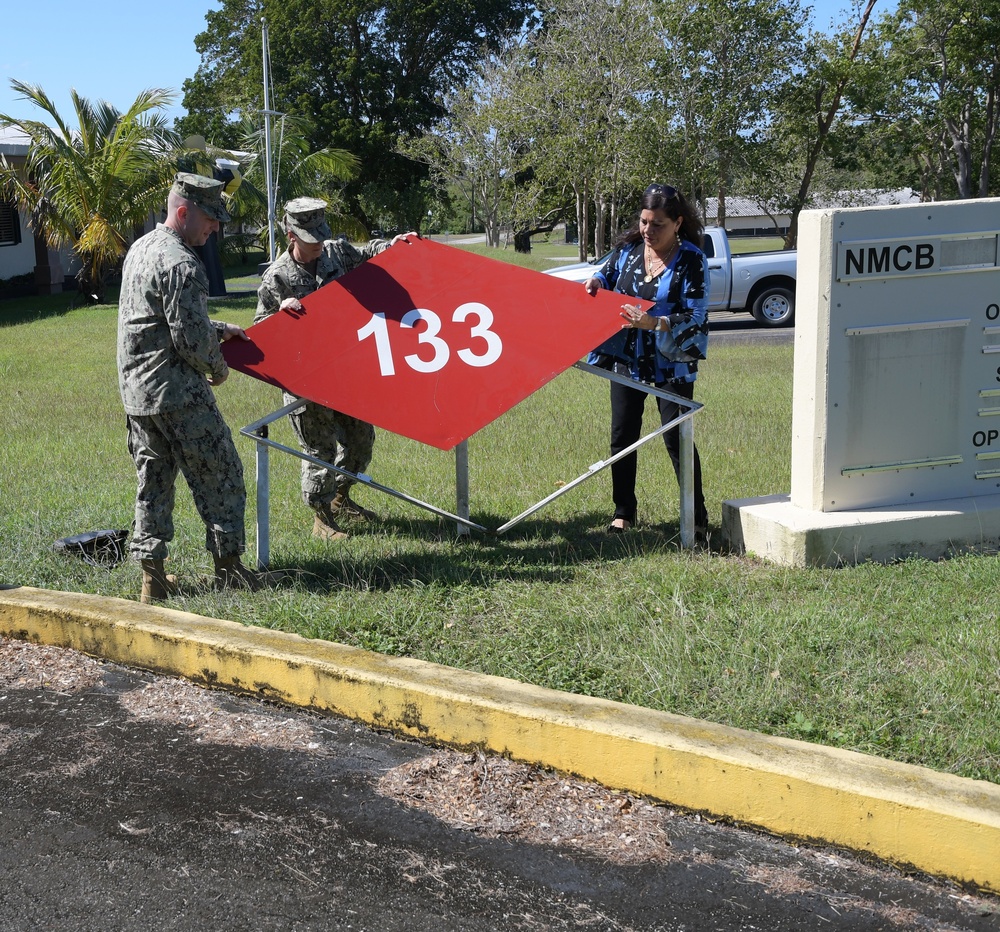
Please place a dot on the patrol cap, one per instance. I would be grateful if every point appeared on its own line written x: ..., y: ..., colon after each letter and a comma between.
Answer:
x: 206, y: 193
x: 306, y: 218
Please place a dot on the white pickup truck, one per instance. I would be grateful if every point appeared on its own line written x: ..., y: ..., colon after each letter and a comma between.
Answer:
x: 762, y: 283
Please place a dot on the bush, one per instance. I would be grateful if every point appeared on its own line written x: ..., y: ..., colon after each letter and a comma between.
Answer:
x: 18, y: 286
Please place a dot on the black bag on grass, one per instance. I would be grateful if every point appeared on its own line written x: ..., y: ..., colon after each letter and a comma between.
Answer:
x: 98, y: 548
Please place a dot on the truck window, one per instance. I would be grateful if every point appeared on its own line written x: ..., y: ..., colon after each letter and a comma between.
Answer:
x: 709, y: 247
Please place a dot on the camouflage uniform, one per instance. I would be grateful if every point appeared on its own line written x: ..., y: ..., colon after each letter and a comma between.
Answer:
x: 322, y: 432
x: 166, y: 347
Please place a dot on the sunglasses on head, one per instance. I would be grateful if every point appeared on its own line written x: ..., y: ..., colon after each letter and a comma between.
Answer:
x: 664, y: 190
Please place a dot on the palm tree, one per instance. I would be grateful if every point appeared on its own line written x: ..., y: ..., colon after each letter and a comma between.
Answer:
x: 92, y: 187
x: 299, y: 172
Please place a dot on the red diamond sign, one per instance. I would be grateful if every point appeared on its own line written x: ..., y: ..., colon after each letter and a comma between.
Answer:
x: 429, y: 341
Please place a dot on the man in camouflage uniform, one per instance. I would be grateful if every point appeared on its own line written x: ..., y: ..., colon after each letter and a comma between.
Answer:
x: 169, y: 357
x: 314, y: 259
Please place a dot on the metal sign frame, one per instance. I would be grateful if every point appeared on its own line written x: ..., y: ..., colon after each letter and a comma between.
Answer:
x: 258, y: 432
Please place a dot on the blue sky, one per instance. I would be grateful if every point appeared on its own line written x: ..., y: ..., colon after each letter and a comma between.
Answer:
x: 127, y: 47
x: 110, y: 50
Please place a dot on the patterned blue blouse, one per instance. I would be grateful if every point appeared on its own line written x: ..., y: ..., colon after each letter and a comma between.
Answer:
x: 680, y: 292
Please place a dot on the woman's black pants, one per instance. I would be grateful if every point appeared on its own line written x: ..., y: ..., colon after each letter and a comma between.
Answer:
x: 627, y: 405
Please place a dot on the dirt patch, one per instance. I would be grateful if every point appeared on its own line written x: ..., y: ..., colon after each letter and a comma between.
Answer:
x: 164, y: 699
x: 34, y: 666
x: 172, y: 700
x: 496, y: 797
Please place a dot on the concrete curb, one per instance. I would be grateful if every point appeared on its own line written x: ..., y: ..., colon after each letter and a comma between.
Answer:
x: 938, y: 823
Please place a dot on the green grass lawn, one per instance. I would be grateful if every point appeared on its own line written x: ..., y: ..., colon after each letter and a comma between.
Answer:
x: 900, y: 661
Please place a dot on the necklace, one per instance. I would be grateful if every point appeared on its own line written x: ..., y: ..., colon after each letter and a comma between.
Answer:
x: 651, y: 256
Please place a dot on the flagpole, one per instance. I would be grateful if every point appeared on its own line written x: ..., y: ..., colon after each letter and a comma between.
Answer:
x: 268, y: 168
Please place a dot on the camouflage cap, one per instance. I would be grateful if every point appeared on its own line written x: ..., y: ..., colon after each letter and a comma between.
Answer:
x: 306, y: 218
x: 206, y: 193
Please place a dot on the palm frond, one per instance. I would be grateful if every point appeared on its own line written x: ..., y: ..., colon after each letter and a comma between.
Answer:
x: 92, y: 185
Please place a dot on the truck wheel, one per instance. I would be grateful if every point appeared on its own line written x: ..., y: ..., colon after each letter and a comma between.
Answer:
x: 775, y: 307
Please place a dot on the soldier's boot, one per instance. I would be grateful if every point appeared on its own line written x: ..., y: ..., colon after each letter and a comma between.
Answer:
x: 343, y: 504
x: 230, y: 573
x: 325, y: 525
x: 157, y: 585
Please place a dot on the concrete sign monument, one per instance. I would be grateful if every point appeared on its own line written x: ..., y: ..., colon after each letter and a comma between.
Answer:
x: 896, y: 395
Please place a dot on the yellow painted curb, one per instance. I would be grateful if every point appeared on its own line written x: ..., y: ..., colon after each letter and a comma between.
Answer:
x: 941, y: 824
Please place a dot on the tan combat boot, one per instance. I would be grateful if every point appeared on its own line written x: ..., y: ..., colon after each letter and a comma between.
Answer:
x: 230, y: 573
x: 156, y: 584
x: 343, y: 504
x: 325, y: 525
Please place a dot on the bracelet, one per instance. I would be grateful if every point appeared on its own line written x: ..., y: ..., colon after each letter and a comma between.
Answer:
x: 659, y: 322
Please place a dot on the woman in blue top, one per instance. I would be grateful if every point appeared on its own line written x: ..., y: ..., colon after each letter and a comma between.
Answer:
x: 659, y: 259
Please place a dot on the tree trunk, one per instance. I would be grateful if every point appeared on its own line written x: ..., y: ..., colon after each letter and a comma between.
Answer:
x: 522, y: 238
x: 90, y: 281
x: 825, y: 122
x: 989, y: 132
x: 962, y: 149
x: 582, y: 221
x: 600, y: 220
x: 720, y: 213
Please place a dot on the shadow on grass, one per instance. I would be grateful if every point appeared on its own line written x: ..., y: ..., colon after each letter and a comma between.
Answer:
x: 29, y: 308
x: 545, y: 551
x: 414, y: 553
x: 14, y: 311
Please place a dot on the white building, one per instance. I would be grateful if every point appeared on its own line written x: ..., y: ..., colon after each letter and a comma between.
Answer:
x: 21, y: 252
x: 746, y: 216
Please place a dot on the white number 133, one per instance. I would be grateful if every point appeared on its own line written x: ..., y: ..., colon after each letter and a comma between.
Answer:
x: 440, y: 351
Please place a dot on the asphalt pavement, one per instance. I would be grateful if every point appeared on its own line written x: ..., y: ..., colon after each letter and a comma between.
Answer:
x: 122, y: 810
x: 740, y: 327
